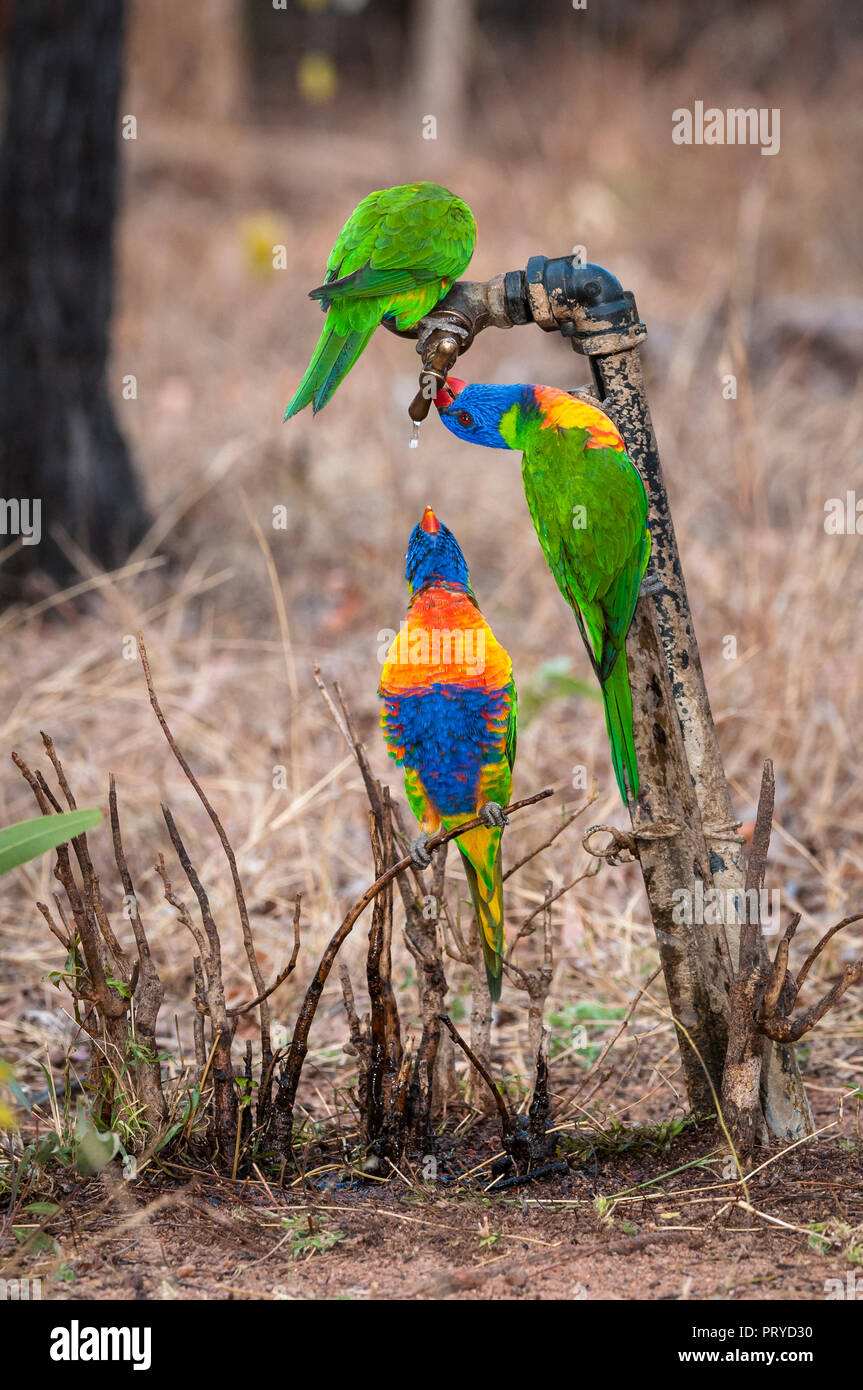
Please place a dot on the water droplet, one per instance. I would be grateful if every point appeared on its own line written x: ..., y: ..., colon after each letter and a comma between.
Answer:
x: 415, y: 436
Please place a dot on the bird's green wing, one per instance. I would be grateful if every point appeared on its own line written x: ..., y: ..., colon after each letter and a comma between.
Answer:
x: 589, y: 509
x: 369, y: 281
x: 394, y: 259
x: 400, y: 237
x: 512, y: 725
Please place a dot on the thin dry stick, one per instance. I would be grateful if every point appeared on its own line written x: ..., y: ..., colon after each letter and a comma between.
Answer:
x: 503, y: 1109
x: 64, y: 940
x: 283, y: 974
x: 792, y: 1029
x: 564, y: 824
x: 817, y: 949
x: 224, y: 1092
x: 112, y: 1006
x: 82, y: 852
x: 756, y: 868
x: 248, y: 941
x: 149, y: 991
x: 778, y: 971
x: 588, y: 873
x: 536, y: 983
x: 382, y: 1123
x: 610, y: 1044
x: 290, y: 1077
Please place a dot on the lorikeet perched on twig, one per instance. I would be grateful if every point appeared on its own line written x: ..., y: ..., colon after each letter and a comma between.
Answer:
x: 396, y: 257
x: 449, y: 716
x: 589, y: 508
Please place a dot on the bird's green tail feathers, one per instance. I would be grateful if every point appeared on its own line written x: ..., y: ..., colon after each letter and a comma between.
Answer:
x: 617, y: 699
x: 488, y: 906
x: 332, y: 359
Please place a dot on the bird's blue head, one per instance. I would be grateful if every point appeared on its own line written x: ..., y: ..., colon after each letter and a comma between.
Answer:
x: 474, y: 412
x: 434, y: 557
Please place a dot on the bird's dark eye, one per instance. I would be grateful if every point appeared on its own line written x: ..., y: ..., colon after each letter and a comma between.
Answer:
x: 465, y: 418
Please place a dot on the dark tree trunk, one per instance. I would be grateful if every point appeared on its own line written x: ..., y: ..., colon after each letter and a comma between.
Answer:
x: 59, y: 440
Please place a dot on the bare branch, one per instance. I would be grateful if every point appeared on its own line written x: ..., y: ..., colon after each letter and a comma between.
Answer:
x: 756, y: 867
x: 283, y: 974
x: 816, y: 951
x: 502, y: 1107
x: 248, y: 940
x: 564, y: 824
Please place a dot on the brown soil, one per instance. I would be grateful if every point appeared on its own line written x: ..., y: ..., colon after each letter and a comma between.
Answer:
x: 623, y: 1226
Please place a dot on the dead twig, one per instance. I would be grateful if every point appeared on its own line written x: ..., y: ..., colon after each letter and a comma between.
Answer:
x: 564, y: 825
x: 282, y: 975
x: 225, y: 1117
x: 248, y: 940
x: 148, y: 992
x: 497, y: 1095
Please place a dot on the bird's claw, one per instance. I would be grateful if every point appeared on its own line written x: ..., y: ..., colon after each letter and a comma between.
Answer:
x: 491, y: 814
x: 651, y: 586
x: 418, y: 852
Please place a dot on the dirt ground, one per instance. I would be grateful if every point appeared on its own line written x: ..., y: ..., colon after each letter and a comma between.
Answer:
x: 657, y: 1221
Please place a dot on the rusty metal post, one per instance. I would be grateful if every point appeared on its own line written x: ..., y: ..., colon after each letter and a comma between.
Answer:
x: 612, y: 345
x: 683, y: 822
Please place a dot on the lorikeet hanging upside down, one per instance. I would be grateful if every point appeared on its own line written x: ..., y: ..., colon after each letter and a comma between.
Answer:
x: 396, y: 257
x: 589, y: 509
x: 449, y: 716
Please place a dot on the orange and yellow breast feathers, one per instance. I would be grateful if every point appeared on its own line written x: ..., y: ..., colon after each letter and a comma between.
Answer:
x: 445, y: 640
x: 564, y: 412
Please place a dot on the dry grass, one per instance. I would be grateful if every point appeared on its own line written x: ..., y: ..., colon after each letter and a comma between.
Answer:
x: 709, y: 240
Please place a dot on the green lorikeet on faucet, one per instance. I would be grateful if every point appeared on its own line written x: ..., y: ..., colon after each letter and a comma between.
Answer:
x: 589, y: 508
x: 395, y: 258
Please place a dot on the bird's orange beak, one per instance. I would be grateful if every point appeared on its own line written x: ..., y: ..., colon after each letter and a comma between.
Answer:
x: 430, y: 523
x: 448, y: 392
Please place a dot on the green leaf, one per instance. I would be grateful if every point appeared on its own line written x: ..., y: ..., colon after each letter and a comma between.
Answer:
x: 94, y: 1149
x: 37, y: 1240
x: 49, y: 1147
x: 16, y: 1092
x: 168, y: 1136
x: 42, y: 1208
x: 30, y: 838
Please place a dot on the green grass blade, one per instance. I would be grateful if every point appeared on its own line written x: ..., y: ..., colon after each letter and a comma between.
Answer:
x: 30, y: 838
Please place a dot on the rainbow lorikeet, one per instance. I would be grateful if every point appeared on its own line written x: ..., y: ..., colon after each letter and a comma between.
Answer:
x: 395, y: 258
x: 449, y: 716
x: 589, y: 508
